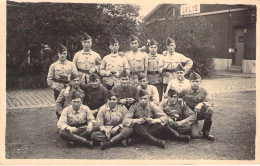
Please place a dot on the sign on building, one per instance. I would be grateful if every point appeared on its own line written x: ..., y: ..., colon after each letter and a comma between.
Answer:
x: 190, y: 9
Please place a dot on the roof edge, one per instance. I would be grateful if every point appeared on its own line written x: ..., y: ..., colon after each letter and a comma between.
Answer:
x: 151, y: 12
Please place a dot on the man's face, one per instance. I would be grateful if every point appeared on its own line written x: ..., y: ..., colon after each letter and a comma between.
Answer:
x: 114, y: 47
x: 153, y: 49
x: 62, y: 56
x: 143, y: 83
x: 144, y: 100
x: 75, y: 83
x: 171, y: 47
x: 180, y: 75
x: 173, y: 99
x: 134, y: 45
x: 95, y: 84
x: 124, y: 81
x: 87, y: 43
x: 195, y: 84
x: 112, y: 101
x: 76, y: 103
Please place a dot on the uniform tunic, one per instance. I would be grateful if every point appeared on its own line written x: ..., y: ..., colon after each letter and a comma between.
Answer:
x: 71, y: 117
x: 129, y: 91
x: 138, y: 63
x: 150, y: 111
x: 178, y: 85
x: 85, y: 61
x: 59, y: 73
x: 94, y: 97
x: 113, y: 63
x: 171, y: 62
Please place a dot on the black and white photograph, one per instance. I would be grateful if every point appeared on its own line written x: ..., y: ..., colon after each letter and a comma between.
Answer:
x: 129, y: 82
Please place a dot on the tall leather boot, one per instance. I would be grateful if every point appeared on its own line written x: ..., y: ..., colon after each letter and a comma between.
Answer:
x: 142, y: 131
x: 206, y: 129
x: 89, y: 144
x: 177, y: 136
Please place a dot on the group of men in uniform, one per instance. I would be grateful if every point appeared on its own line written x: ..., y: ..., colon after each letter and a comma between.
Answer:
x: 119, y: 99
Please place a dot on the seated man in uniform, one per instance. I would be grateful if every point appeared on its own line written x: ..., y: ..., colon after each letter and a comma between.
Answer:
x: 200, y: 101
x: 179, y: 83
x: 151, y: 89
x: 95, y: 93
x: 65, y: 100
x: 127, y: 93
x: 181, y: 116
x: 148, y: 121
x: 77, y: 123
x: 109, y: 118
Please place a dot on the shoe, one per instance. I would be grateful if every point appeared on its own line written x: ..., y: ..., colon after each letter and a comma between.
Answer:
x: 105, y: 145
x: 124, y: 143
x: 131, y: 141
x: 71, y: 143
x: 209, y: 137
x: 185, y: 138
x: 90, y: 144
x: 160, y: 143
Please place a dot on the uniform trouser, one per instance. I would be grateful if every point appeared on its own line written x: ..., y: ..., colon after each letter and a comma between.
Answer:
x: 159, y: 87
x: 183, y: 129
x: 79, y: 136
x: 120, y: 135
x: 205, y: 113
x: 56, y: 94
x: 149, y: 131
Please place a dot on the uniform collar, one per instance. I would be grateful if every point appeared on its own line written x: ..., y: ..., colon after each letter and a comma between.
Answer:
x: 74, y: 111
x: 86, y: 53
x: 107, y: 108
x: 198, y: 90
x: 122, y: 88
x: 144, y: 108
x: 65, y: 62
x: 152, y: 56
x: 114, y: 55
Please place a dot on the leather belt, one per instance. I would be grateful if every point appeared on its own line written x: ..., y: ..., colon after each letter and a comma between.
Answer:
x: 61, y: 81
x: 84, y: 71
x: 136, y: 72
x: 170, y: 70
x: 152, y: 72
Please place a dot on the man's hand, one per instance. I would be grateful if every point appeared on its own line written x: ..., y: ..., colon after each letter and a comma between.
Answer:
x: 122, y: 101
x: 89, y: 127
x: 108, y: 73
x: 139, y: 121
x: 72, y: 129
x: 92, y: 70
x: 199, y: 106
x: 66, y: 92
x: 107, y: 133
x: 153, y: 121
x: 114, y: 130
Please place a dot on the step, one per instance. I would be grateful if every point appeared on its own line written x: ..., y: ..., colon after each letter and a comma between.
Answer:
x: 236, y: 67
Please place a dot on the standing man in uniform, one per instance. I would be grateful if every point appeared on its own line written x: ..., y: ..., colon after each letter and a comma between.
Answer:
x: 60, y: 71
x: 181, y: 116
x: 86, y: 60
x: 76, y: 123
x: 65, y: 100
x: 200, y: 101
x: 109, y: 118
x: 155, y: 65
x: 126, y: 92
x: 171, y: 60
x: 152, y: 90
x: 138, y: 61
x: 179, y: 83
x: 112, y: 65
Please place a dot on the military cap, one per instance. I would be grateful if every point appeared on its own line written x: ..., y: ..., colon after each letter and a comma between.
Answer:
x: 73, y: 76
x: 123, y: 74
x: 93, y: 77
x: 76, y: 95
x: 133, y: 38
x: 179, y: 68
x: 85, y: 36
x: 111, y: 94
x: 194, y: 76
x: 113, y: 41
x: 141, y: 76
x: 152, y: 42
x: 172, y: 92
x: 142, y: 93
x: 61, y: 48
x: 169, y: 41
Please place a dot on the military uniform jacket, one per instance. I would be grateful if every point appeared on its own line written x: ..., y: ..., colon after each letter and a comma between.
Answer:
x: 125, y: 92
x: 59, y: 74
x: 155, y: 65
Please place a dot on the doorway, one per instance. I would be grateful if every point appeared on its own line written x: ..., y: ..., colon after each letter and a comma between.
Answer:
x: 239, y: 44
